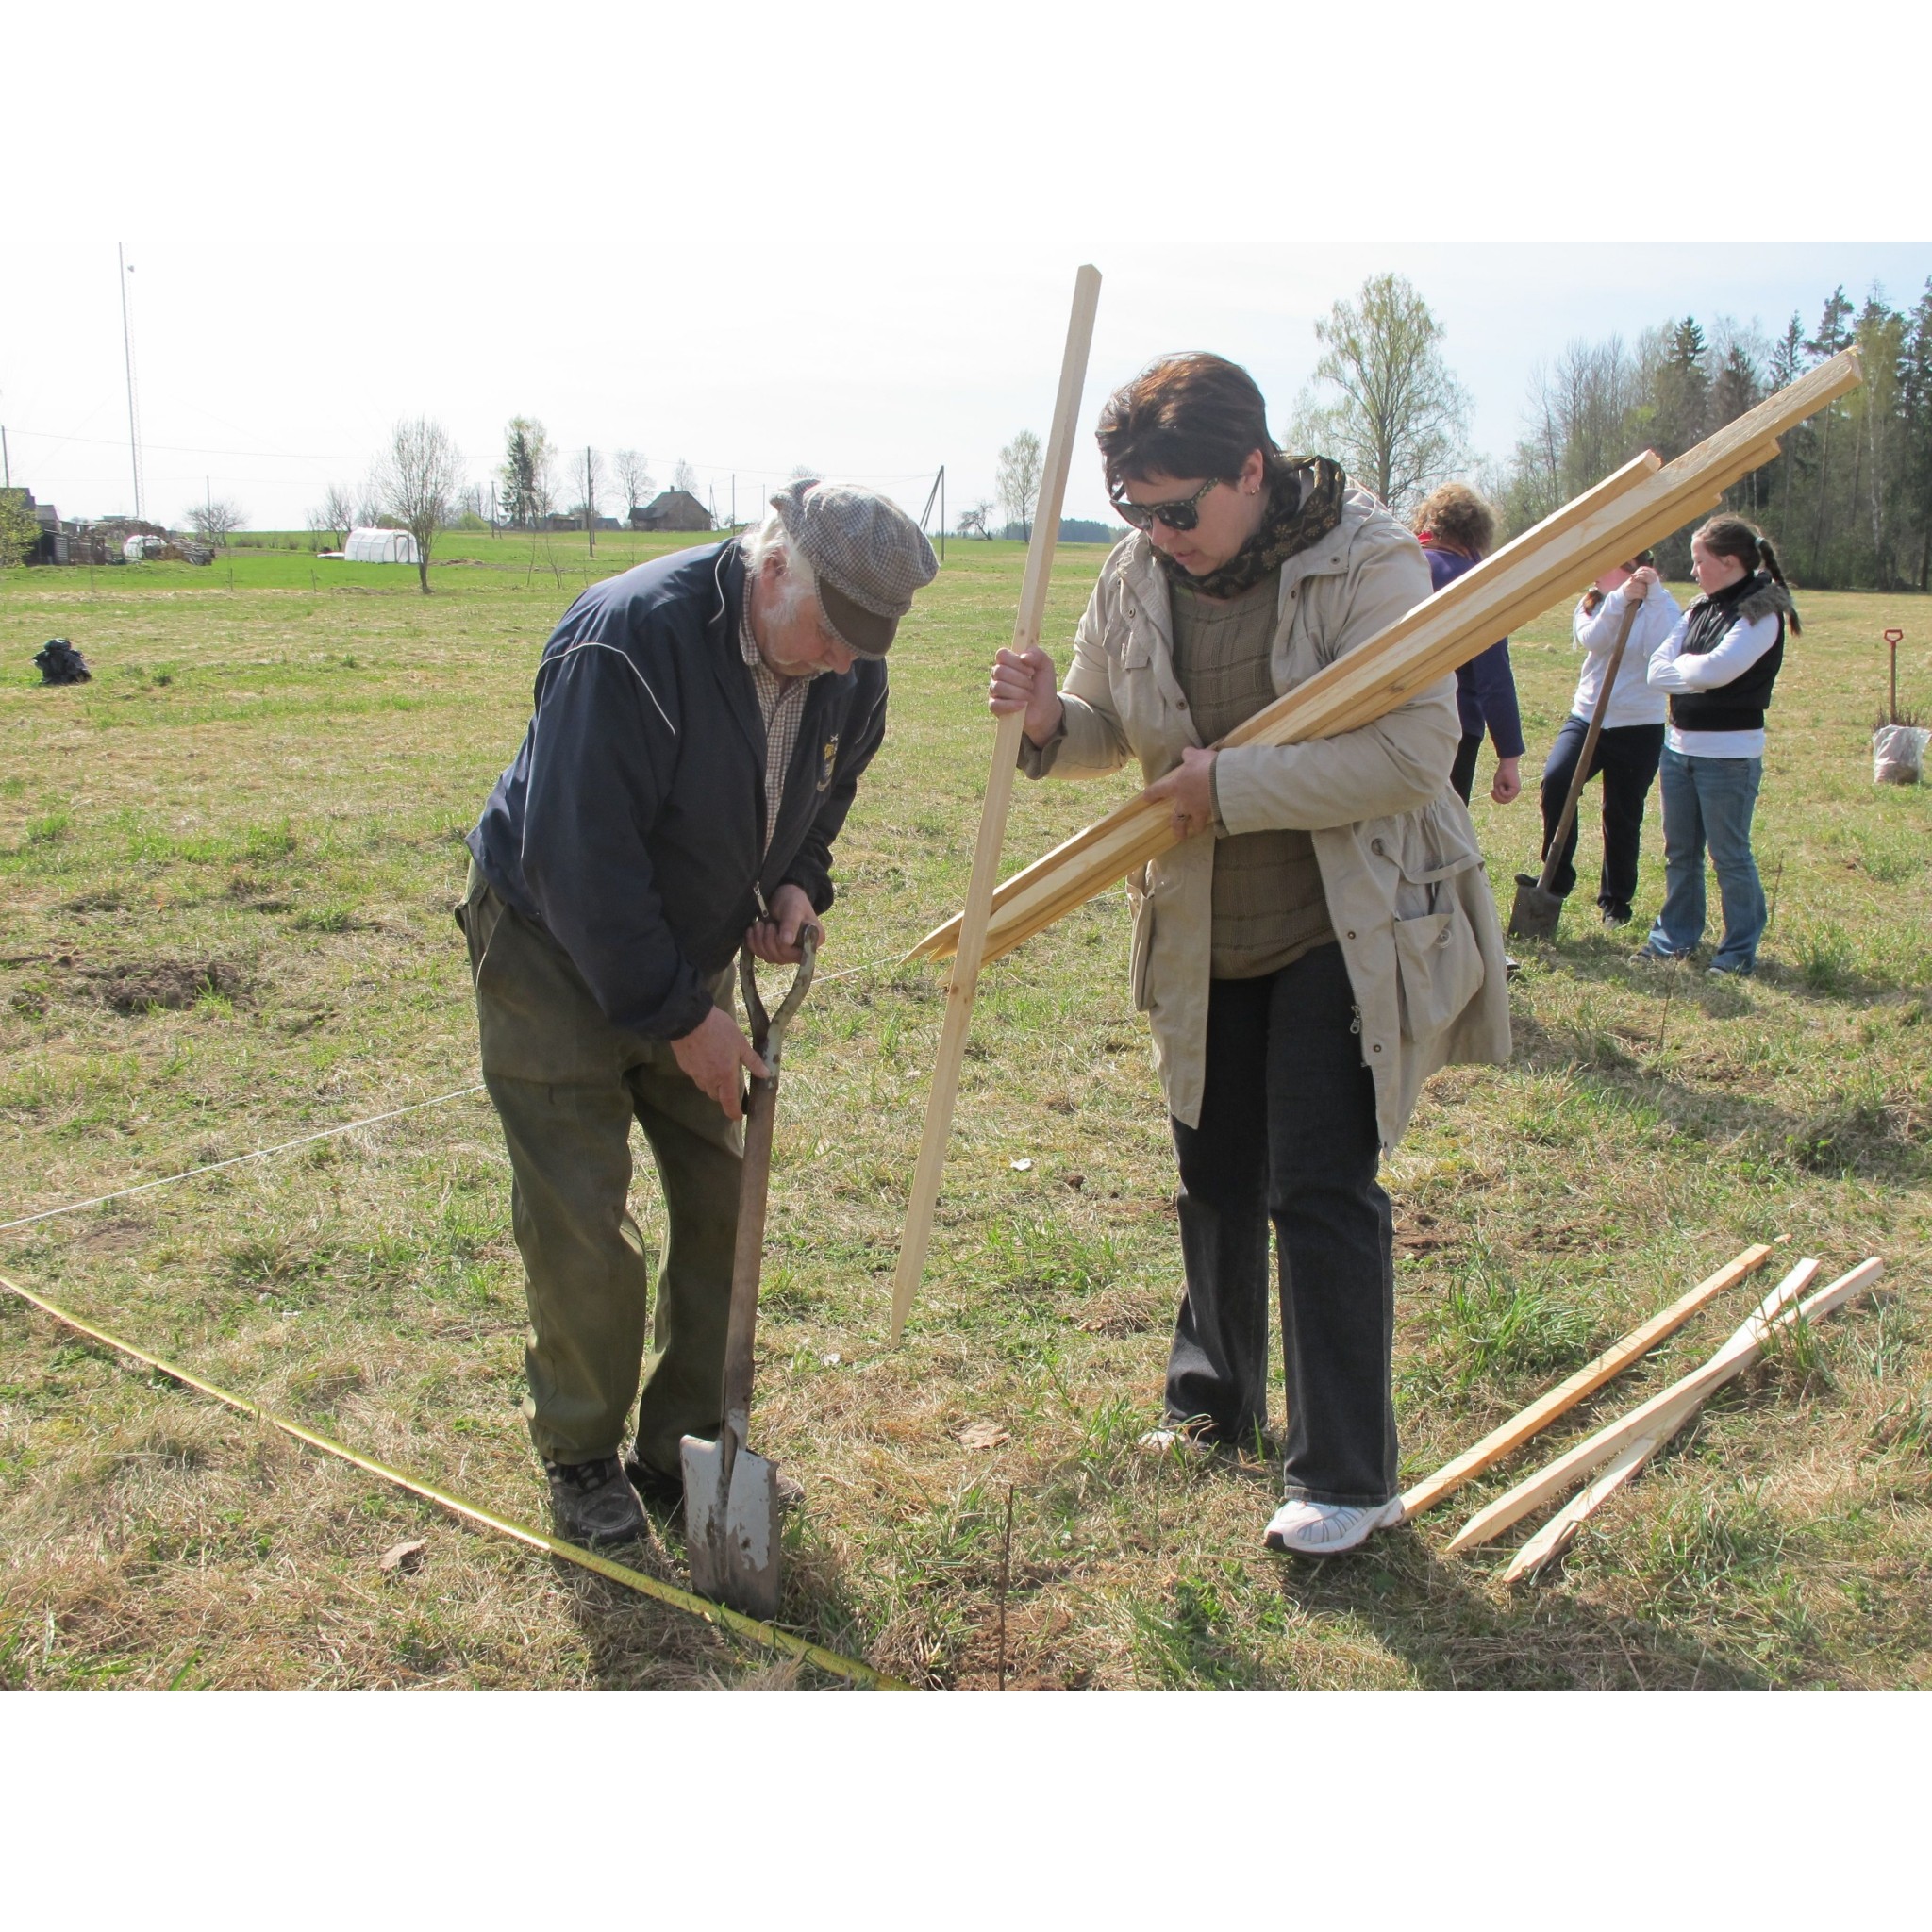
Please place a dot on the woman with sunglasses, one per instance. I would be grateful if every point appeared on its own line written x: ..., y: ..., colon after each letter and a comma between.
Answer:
x: 1322, y: 939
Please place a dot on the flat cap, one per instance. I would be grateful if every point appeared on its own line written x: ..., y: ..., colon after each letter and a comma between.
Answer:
x: 869, y: 556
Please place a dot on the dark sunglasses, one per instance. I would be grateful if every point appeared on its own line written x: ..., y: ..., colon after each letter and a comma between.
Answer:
x: 1182, y: 514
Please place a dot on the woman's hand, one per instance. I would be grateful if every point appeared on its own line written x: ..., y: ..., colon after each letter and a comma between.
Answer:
x: 1187, y: 791
x: 1639, y: 585
x: 1508, y: 781
x: 1023, y: 681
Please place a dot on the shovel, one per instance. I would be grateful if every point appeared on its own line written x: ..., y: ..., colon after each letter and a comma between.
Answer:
x: 1537, y: 910
x: 730, y: 1494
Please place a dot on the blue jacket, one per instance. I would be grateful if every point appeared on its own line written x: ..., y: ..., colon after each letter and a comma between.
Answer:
x: 1486, y: 686
x: 631, y: 825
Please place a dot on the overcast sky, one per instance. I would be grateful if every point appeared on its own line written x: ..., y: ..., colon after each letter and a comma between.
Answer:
x: 842, y: 237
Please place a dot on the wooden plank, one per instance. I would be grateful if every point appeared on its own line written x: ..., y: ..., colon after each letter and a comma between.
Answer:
x: 993, y: 818
x: 1554, y: 1537
x: 1639, y: 504
x: 1593, y: 1375
x: 1731, y: 1360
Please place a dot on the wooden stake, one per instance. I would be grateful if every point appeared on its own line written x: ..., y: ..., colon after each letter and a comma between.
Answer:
x: 1637, y: 505
x: 1554, y: 1537
x: 1540, y: 1413
x: 1730, y: 1362
x: 992, y: 817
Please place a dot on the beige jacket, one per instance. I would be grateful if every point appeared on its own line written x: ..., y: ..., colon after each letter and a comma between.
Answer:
x: 1408, y: 895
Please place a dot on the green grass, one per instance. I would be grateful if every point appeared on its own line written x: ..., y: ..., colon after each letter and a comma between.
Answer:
x: 229, y: 865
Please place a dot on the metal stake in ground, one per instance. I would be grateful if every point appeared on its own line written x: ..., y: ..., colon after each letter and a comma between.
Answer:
x: 1537, y: 909
x: 731, y: 1495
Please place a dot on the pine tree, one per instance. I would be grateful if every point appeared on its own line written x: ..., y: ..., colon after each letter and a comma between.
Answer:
x: 1832, y: 336
x: 1915, y: 422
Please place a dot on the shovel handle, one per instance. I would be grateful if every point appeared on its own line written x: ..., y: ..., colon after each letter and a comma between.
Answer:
x: 1581, y: 778
x: 747, y: 1256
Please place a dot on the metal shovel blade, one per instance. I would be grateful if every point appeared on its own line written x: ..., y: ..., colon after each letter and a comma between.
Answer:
x: 732, y: 1535
x: 1535, y: 912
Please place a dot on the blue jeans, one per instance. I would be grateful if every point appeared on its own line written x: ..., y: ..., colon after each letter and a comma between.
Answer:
x: 1709, y: 801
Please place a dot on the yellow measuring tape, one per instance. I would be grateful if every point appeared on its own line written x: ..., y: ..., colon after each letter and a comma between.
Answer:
x: 768, y: 1635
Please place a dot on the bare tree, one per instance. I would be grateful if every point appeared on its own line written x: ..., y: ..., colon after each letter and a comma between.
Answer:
x: 216, y: 522
x: 1383, y: 401
x: 1018, y: 481
x: 974, y: 520
x: 335, y: 514
x: 588, y: 476
x: 684, y: 477
x: 369, y: 511
x: 418, y: 480
x: 804, y: 472
x: 634, y: 480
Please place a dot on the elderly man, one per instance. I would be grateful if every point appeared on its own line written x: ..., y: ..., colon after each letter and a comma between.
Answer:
x: 701, y: 725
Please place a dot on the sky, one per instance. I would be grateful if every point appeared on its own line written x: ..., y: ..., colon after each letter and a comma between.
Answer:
x: 844, y: 236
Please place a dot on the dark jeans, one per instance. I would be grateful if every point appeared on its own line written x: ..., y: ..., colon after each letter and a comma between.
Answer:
x: 1463, y: 773
x: 1288, y: 1134
x: 1627, y: 758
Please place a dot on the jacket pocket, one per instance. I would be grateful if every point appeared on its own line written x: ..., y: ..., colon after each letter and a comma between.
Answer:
x: 1141, y: 951
x: 1439, y: 968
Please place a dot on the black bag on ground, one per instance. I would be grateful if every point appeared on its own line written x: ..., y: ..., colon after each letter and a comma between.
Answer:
x: 60, y: 663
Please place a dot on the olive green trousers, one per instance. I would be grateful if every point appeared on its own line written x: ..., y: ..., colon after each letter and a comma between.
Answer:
x: 567, y: 1085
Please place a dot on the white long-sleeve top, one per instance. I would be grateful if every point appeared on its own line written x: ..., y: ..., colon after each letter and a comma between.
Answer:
x: 1632, y: 701
x: 1736, y: 651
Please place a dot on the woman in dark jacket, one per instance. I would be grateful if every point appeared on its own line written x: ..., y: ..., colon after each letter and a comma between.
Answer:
x: 1456, y: 531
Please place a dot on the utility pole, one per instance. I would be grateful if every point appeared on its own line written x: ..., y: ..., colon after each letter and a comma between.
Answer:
x: 590, y: 504
x: 127, y: 356
x: 734, y: 499
x: 5, y: 463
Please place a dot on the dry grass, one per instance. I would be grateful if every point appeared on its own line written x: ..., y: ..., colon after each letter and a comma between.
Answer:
x: 229, y: 864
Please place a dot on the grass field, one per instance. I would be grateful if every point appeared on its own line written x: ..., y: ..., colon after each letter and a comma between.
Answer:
x: 229, y: 865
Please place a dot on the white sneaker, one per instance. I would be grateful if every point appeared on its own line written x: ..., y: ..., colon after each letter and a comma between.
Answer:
x: 1160, y: 1441
x: 1326, y: 1530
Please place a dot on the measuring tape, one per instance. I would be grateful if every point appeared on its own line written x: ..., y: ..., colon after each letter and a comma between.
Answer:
x: 719, y: 1615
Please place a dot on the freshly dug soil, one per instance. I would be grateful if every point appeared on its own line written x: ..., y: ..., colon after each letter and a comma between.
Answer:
x: 134, y: 985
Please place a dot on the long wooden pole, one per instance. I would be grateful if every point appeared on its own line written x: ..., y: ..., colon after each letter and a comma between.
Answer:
x: 1591, y: 1376
x: 1731, y: 1360
x: 1554, y: 1537
x: 992, y: 817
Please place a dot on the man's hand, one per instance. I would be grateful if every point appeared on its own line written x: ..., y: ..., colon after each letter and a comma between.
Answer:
x: 1187, y: 791
x: 1638, y: 584
x: 1508, y: 781
x: 1023, y: 681
x: 775, y: 940
x: 712, y: 1053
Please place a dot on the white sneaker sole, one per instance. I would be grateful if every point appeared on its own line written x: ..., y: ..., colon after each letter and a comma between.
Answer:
x: 1386, y: 1518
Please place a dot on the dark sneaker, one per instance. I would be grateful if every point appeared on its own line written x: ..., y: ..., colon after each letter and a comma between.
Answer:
x: 663, y: 1491
x: 665, y: 1494
x: 1615, y: 915
x: 1730, y: 969
x: 593, y: 1505
x: 1655, y: 956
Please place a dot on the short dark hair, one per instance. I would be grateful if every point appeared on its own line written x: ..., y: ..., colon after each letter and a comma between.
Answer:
x: 1192, y: 415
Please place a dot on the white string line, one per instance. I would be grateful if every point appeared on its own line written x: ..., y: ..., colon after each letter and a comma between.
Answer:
x: 236, y: 1161
x: 395, y: 1113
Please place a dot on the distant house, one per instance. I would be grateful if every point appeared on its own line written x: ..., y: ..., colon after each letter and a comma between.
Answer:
x: 380, y: 546
x: 676, y: 510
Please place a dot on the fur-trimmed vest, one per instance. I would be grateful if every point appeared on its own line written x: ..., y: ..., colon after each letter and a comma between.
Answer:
x: 1741, y: 705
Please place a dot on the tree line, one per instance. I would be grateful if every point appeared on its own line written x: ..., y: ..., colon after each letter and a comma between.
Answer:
x: 1848, y: 500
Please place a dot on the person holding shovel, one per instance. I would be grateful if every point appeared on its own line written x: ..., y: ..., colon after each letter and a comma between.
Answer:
x: 1631, y: 740
x: 701, y: 725
x: 1322, y: 939
x: 1718, y: 667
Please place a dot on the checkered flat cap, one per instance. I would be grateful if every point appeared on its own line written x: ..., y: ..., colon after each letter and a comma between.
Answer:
x: 868, y: 554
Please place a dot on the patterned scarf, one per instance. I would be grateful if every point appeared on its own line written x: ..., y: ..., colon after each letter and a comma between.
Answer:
x: 1295, y: 518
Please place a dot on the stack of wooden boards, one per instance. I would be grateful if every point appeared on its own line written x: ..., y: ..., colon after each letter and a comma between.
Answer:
x: 1627, y: 1443
x: 1642, y: 504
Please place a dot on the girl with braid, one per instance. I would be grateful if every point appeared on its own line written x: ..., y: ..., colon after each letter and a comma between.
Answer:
x: 1718, y: 666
